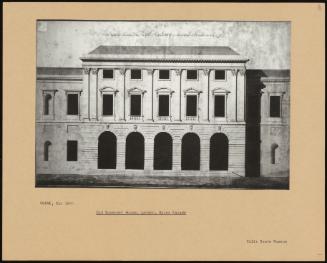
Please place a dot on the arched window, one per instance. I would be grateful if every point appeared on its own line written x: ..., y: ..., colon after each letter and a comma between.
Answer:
x: 134, y: 151
x: 107, y: 150
x: 218, y: 152
x: 274, y: 153
x: 46, y: 152
x: 163, y: 151
x: 191, y: 152
x: 47, y: 102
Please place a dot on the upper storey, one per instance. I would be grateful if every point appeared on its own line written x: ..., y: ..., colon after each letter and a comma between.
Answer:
x: 164, y: 53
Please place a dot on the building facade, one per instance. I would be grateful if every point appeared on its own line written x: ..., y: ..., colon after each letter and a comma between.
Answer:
x: 162, y: 110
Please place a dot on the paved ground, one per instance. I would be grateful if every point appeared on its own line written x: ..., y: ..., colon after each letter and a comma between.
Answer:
x: 75, y: 180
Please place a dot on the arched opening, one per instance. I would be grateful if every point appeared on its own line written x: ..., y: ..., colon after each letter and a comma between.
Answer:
x: 46, y: 151
x: 134, y: 151
x: 218, y: 152
x: 107, y: 150
x: 191, y: 152
x: 162, y: 152
x: 47, y: 102
x: 274, y: 153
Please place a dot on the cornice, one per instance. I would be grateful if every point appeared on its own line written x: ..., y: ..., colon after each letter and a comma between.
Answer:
x: 167, y: 60
x: 275, y: 79
x: 59, y: 77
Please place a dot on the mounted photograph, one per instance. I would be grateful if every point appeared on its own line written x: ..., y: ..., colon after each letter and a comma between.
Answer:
x: 163, y: 104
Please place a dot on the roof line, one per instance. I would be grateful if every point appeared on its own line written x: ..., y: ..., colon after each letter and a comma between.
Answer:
x: 85, y: 59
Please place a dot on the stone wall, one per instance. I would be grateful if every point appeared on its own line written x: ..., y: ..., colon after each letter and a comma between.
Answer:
x: 87, y: 135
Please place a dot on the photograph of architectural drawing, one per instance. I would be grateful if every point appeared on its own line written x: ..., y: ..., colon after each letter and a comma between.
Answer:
x: 161, y: 115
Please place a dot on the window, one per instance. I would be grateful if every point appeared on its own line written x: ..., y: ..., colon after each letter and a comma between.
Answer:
x: 108, y: 74
x: 47, y: 145
x: 107, y: 104
x: 47, y: 102
x: 163, y: 105
x: 72, y: 104
x: 220, y: 106
x: 136, y: 74
x: 274, y: 106
x: 219, y: 74
x: 191, y: 105
x: 71, y: 150
x: 164, y: 74
x: 192, y: 74
x: 135, y: 105
x: 274, y: 150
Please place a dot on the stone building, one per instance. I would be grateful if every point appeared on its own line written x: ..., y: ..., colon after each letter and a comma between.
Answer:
x: 162, y: 110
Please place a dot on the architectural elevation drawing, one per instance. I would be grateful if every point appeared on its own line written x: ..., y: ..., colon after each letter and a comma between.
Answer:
x: 163, y: 104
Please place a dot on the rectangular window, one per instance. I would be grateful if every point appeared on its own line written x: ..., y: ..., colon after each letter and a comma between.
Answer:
x: 72, y: 104
x: 220, y: 106
x: 164, y: 74
x: 71, y: 150
x: 107, y: 104
x: 274, y: 106
x: 108, y: 74
x: 192, y: 74
x: 220, y: 74
x: 136, y: 74
x: 47, y: 103
x: 191, y: 105
x: 163, y: 105
x: 135, y: 105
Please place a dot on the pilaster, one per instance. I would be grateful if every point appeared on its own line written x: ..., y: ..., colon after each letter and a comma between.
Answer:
x: 204, y: 154
x: 179, y: 93
x: 177, y: 150
x: 93, y: 93
x: 85, y: 96
x: 241, y: 95
x: 121, y: 144
x: 148, y: 153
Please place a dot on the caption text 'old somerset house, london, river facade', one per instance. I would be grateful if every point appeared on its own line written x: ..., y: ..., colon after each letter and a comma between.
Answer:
x: 173, y: 110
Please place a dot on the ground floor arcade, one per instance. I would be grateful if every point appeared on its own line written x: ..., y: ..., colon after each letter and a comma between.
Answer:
x: 141, y: 149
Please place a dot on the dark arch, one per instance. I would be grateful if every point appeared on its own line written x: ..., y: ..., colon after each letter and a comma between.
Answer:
x: 107, y: 150
x: 274, y: 149
x: 191, y: 152
x: 134, y: 151
x: 47, y: 100
x: 219, y: 152
x: 163, y: 151
x: 47, y: 145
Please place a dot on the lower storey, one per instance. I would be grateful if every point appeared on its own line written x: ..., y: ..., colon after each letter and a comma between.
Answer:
x: 140, y: 149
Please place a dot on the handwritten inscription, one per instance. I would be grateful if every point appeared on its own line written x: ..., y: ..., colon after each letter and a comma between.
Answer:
x: 265, y: 241
x: 56, y: 203
x: 142, y: 212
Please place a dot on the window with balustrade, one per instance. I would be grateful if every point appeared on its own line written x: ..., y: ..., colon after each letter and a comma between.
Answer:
x: 219, y: 102
x: 164, y: 103
x: 108, y: 102
x: 136, y: 103
x: 191, y: 104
